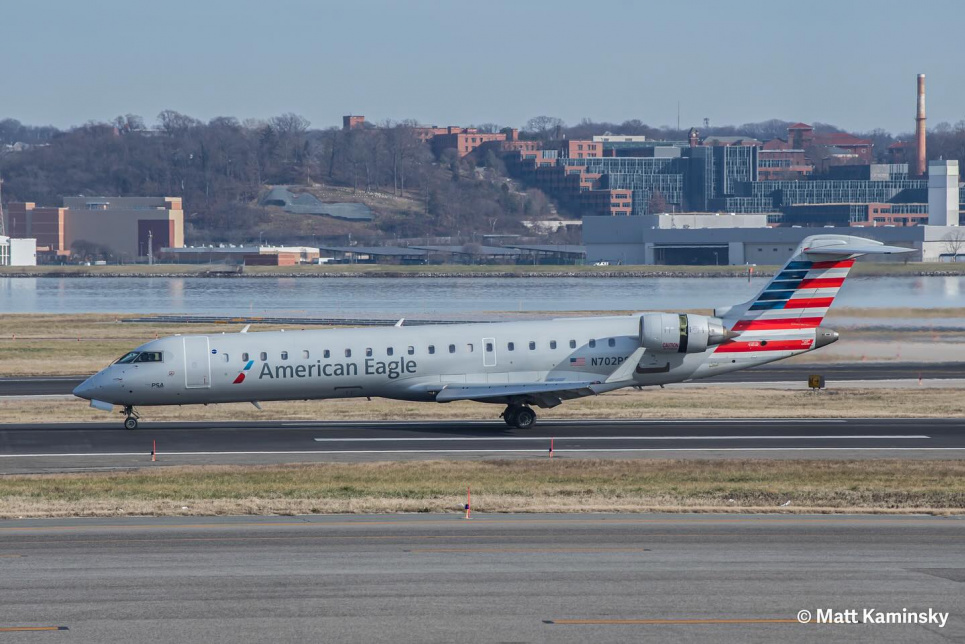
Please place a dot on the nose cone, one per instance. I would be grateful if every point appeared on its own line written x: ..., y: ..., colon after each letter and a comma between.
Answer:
x: 86, y: 389
x: 824, y: 337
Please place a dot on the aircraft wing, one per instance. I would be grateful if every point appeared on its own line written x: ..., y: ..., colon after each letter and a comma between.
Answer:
x: 537, y: 390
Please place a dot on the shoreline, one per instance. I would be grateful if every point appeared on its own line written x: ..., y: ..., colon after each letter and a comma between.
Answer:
x: 455, y: 271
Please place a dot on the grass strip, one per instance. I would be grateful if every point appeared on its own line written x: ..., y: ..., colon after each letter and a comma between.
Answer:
x: 531, y: 485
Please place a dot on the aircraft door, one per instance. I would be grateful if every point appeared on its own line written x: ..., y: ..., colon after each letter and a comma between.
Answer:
x: 197, y: 362
x: 489, y: 352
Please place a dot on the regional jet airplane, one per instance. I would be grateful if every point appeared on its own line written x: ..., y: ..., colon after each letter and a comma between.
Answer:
x: 517, y: 364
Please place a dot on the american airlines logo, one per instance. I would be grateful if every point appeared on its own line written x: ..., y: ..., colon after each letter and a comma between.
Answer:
x: 241, y: 375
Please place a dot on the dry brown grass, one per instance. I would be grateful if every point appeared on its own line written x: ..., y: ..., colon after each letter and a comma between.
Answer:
x: 672, y: 402
x: 498, y: 486
x: 49, y: 345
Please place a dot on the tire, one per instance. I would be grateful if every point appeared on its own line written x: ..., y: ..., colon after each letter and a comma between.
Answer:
x: 130, y: 423
x: 510, y: 416
x: 524, y: 418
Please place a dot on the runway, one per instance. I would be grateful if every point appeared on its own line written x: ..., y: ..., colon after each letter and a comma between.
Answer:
x: 77, y: 446
x: 494, y: 578
x: 64, y: 385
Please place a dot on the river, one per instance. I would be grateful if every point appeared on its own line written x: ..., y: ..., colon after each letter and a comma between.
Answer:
x: 431, y: 297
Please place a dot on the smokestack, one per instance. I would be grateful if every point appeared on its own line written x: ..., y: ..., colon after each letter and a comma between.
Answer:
x: 920, y: 129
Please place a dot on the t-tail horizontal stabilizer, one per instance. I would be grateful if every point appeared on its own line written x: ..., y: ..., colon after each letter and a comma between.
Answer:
x: 809, y: 281
x: 847, y: 246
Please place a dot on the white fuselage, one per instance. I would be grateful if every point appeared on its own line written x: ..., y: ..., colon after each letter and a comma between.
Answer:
x: 407, y: 363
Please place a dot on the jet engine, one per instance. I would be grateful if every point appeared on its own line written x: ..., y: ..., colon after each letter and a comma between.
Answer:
x: 681, y: 333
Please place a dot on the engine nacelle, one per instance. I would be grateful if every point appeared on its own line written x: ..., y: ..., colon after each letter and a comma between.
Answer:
x: 681, y: 333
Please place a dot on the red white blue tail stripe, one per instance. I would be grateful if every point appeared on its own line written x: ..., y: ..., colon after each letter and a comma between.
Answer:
x: 791, y: 307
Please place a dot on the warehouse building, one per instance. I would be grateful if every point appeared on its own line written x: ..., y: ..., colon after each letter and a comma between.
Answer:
x: 127, y: 226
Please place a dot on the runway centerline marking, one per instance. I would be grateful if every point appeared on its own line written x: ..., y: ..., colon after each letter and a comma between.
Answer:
x: 537, y: 551
x: 624, y: 622
x: 333, y: 424
x: 621, y: 438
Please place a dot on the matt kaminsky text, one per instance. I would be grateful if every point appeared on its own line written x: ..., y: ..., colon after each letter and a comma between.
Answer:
x: 873, y: 616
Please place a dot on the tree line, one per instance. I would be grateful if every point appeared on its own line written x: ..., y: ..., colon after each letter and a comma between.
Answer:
x: 220, y: 167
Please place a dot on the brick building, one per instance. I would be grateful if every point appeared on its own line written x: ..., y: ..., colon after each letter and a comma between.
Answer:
x: 126, y: 225
x: 352, y: 122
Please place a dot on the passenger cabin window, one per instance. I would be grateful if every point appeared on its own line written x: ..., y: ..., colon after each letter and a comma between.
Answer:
x: 326, y: 354
x: 244, y: 357
x: 263, y: 356
x: 305, y: 354
x: 389, y: 351
x: 432, y: 349
x: 284, y: 355
x: 225, y: 357
x: 411, y: 351
x: 592, y: 344
x: 511, y: 346
x: 348, y: 353
x: 149, y: 356
x: 612, y: 342
x: 532, y: 346
x: 552, y: 344
x: 469, y: 347
x: 572, y: 344
x: 452, y: 348
x: 368, y: 352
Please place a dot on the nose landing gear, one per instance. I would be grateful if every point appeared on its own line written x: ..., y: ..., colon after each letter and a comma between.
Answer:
x: 519, y: 416
x: 132, y: 416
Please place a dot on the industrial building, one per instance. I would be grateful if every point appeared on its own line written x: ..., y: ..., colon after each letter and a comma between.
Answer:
x: 18, y: 252
x: 131, y: 227
x: 748, y: 239
x: 241, y: 255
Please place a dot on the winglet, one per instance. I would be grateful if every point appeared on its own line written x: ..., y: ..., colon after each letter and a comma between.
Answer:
x: 245, y: 330
x: 399, y: 323
x: 625, y: 371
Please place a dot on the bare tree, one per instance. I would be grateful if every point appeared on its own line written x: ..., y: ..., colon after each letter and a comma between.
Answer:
x: 954, y: 243
x: 544, y: 127
x: 657, y: 203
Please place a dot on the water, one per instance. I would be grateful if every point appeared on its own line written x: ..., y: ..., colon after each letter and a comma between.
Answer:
x: 431, y: 297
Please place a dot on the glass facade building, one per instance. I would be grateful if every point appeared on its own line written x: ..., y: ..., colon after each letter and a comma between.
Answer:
x: 789, y: 193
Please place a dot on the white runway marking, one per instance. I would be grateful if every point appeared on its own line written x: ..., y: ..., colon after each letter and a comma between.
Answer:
x: 583, y: 421
x: 611, y: 438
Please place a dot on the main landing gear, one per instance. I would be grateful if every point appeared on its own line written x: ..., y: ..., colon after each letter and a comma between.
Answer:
x: 131, y: 421
x: 519, y: 417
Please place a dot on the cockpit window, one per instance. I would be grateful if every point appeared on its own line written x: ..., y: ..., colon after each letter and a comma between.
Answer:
x: 128, y: 358
x: 149, y: 356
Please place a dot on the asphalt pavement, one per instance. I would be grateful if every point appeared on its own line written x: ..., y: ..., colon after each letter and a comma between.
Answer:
x: 79, y: 446
x: 64, y: 385
x: 493, y: 578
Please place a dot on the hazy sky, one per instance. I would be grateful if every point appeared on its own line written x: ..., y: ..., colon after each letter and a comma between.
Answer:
x: 64, y: 62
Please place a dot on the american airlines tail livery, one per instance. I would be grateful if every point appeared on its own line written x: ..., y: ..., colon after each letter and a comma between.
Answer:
x: 517, y: 364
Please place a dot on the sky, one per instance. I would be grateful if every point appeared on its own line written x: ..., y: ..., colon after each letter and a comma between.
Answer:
x: 851, y: 63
